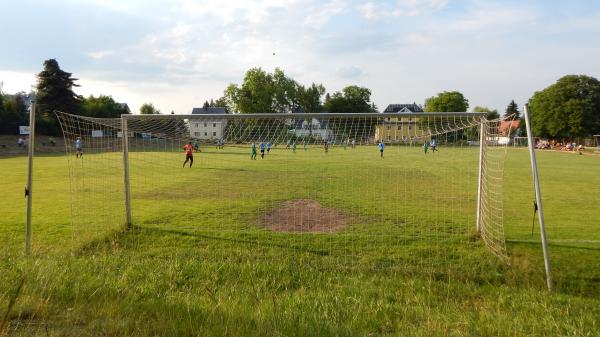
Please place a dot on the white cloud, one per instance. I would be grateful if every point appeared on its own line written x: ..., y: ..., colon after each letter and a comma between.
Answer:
x: 231, y: 10
x: 374, y: 10
x: 321, y: 14
x: 350, y: 72
x: 100, y: 54
x: 15, y: 81
x: 493, y: 15
x: 369, y: 11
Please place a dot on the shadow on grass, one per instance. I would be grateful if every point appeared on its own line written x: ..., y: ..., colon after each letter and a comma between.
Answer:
x: 223, y: 169
x: 573, y: 245
x: 571, y: 270
x: 412, y: 258
x: 570, y: 266
x: 115, y: 239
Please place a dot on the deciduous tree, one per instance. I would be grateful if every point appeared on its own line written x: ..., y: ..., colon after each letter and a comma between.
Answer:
x: 490, y: 114
x: 447, y: 101
x: 149, y: 109
x: 569, y: 108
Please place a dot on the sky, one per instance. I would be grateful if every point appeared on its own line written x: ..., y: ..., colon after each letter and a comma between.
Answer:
x: 178, y: 53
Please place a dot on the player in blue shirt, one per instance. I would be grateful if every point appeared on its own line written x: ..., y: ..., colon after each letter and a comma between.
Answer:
x: 381, y: 147
x: 262, y: 149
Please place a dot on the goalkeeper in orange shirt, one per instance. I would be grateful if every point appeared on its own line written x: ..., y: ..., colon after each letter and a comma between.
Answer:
x: 189, y: 153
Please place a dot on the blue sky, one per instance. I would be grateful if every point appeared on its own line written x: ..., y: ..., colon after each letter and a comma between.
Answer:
x: 178, y: 53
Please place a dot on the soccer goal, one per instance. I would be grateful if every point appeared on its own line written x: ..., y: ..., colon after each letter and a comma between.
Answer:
x: 523, y: 141
x: 407, y: 190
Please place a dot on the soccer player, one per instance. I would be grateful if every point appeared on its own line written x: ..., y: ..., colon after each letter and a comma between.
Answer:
x: 433, y: 145
x: 253, y: 153
x: 189, y: 153
x: 381, y: 147
x: 268, y: 147
x: 262, y: 149
x: 353, y: 143
x: 326, y: 146
x: 425, y: 147
x: 305, y: 145
x: 78, y: 148
x: 196, y: 145
x: 294, y: 147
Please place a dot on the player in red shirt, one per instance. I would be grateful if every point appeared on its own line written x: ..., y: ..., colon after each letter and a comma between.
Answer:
x: 189, y: 153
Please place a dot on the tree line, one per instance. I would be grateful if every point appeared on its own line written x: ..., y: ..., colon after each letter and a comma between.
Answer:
x: 54, y: 92
x: 568, y: 109
x: 264, y: 92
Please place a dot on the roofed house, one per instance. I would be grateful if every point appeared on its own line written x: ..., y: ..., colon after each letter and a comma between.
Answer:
x: 125, y: 107
x: 211, y: 110
x: 212, y: 128
x: 508, y: 128
x: 399, y: 129
x: 403, y: 108
x: 317, y: 128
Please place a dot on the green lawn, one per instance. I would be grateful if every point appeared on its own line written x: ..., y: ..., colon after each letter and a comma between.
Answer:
x: 198, y: 263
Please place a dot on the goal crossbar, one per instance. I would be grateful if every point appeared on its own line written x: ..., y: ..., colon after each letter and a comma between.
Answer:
x: 308, y: 115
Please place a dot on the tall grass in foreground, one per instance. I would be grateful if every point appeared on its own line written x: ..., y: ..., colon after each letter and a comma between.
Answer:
x: 178, y: 273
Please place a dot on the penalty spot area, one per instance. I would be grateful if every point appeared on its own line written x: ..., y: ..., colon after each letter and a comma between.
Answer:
x: 304, y: 216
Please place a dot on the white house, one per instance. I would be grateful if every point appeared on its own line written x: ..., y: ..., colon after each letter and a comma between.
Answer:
x: 313, y: 128
x: 207, y: 127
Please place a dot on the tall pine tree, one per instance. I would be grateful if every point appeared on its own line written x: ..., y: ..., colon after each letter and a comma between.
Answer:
x: 512, y: 108
x: 55, y: 93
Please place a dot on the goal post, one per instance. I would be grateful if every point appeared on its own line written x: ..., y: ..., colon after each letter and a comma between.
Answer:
x: 352, y: 185
x: 126, y: 185
x: 482, y: 137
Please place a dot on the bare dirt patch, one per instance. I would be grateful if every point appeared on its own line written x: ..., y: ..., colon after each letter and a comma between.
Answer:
x: 304, y: 215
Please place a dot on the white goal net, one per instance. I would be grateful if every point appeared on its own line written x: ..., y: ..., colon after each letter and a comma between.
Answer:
x: 416, y: 192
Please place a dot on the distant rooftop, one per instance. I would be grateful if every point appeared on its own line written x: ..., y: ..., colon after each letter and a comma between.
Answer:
x: 213, y: 110
x: 506, y: 126
x: 403, y: 108
x: 125, y: 107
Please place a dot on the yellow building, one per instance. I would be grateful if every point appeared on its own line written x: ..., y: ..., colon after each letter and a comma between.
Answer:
x: 400, y: 129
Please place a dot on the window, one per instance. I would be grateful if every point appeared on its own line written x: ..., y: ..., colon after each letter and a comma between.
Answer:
x: 399, y: 127
x: 214, y: 134
x: 389, y: 138
x: 204, y: 124
x: 196, y: 125
x: 197, y: 134
x: 389, y: 127
x: 214, y: 125
x: 206, y: 133
x: 410, y: 127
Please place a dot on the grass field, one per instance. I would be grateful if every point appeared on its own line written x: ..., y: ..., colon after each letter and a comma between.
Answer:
x: 196, y: 264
